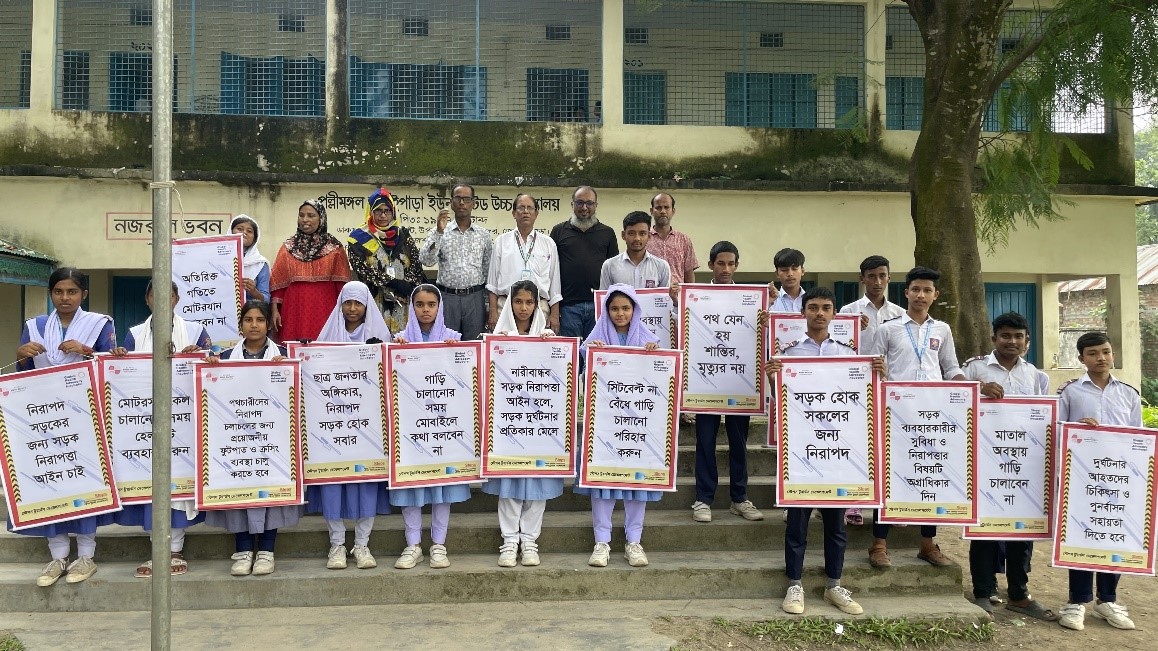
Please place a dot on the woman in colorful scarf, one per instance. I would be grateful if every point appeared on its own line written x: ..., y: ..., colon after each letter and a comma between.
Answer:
x: 307, y: 276
x: 384, y: 256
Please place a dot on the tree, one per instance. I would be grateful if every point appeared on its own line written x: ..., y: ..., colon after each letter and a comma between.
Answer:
x: 1146, y: 173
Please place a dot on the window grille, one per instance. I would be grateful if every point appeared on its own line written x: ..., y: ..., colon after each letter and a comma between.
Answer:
x: 772, y: 39
x: 416, y: 27
x: 635, y: 36
x: 16, y: 53
x: 558, y: 32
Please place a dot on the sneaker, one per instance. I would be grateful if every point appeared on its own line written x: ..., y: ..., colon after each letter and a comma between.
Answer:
x: 242, y: 564
x: 1073, y: 617
x: 793, y: 603
x: 336, y: 560
x: 364, y: 558
x: 633, y: 552
x: 1115, y: 615
x: 410, y: 557
x: 600, y: 556
x: 530, y: 556
x: 80, y: 569
x: 701, y: 512
x: 52, y: 572
x: 746, y: 510
x: 508, y: 554
x: 842, y: 599
x: 438, y: 559
x: 264, y: 564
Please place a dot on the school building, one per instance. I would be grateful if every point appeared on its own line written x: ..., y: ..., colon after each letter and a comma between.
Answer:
x: 772, y: 123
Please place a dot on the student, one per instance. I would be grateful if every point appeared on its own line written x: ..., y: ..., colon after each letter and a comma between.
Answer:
x: 620, y: 324
x: 522, y: 501
x: 723, y: 260
x: 254, y: 265
x: 188, y: 337
x: 261, y: 523
x: 874, y: 307
x: 69, y: 334
x: 819, y: 308
x: 916, y: 347
x: 789, y: 269
x: 1002, y: 373
x: 1097, y: 398
x: 356, y: 319
x: 426, y: 324
x: 635, y: 266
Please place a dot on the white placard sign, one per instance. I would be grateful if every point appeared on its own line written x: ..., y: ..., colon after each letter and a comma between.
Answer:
x: 656, y: 305
x: 722, y: 344
x: 207, y: 271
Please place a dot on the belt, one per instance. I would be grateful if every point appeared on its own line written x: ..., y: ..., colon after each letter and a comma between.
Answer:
x: 459, y: 292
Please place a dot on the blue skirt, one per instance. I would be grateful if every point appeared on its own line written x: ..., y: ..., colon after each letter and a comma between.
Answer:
x: 423, y: 495
x: 524, y: 488
x: 141, y: 515
x: 82, y: 526
x: 348, y: 501
x: 611, y: 493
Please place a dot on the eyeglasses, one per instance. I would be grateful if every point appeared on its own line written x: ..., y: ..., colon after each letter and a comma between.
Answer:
x: 579, y: 203
x: 463, y: 199
x: 381, y: 211
x: 524, y: 209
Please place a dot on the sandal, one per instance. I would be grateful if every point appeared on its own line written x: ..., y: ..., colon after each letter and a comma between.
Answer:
x: 853, y: 517
x: 1035, y: 610
x: 177, y: 564
x: 144, y: 570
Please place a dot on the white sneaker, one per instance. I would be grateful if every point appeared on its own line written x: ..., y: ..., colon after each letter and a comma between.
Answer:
x: 508, y: 554
x: 242, y: 564
x: 336, y: 560
x: 633, y: 552
x: 264, y: 564
x: 600, y: 556
x: 80, y: 569
x: 410, y: 557
x: 746, y: 510
x: 530, y: 556
x: 701, y: 512
x: 1115, y: 615
x: 1073, y: 616
x: 842, y: 599
x: 52, y: 572
x: 793, y: 603
x: 364, y: 557
x: 438, y: 559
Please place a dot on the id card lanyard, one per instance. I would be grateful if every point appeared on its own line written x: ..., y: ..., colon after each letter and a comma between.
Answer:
x: 921, y: 350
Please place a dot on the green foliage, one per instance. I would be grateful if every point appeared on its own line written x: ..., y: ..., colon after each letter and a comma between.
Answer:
x: 8, y: 642
x: 1149, y: 416
x: 875, y: 633
x: 1146, y: 173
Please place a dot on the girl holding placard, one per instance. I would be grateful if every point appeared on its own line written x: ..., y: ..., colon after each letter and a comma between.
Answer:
x: 620, y: 324
x: 522, y: 501
x: 426, y: 324
x: 356, y: 319
x: 261, y: 523
x: 69, y: 334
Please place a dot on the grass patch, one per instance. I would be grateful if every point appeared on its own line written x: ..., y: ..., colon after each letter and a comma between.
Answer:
x: 865, y: 633
x: 8, y: 642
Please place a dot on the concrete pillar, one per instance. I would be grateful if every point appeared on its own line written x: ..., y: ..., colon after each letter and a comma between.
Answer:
x: 1122, y: 324
x: 612, y: 37
x: 1049, y: 311
x: 42, y: 89
x: 875, y: 31
x: 337, y: 71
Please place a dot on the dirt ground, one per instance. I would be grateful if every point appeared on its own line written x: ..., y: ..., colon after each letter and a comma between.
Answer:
x: 1012, y: 631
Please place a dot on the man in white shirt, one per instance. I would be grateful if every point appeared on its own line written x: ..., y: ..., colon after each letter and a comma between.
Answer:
x: 874, y: 307
x: 525, y: 254
x: 789, y: 270
x: 635, y: 266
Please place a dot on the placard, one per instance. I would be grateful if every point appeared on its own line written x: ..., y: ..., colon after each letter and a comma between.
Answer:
x: 656, y: 305
x: 55, y: 456
x: 249, y: 424
x: 1015, y: 469
x: 723, y: 346
x: 632, y: 419
x: 345, y: 412
x: 1105, y: 518
x: 435, y: 413
x: 930, y: 453
x: 827, y: 418
x: 207, y: 271
x: 127, y: 396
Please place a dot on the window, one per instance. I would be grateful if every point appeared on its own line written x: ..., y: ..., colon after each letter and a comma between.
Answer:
x: 131, y: 81
x: 272, y: 85
x: 771, y: 39
x: 846, y: 92
x: 904, y: 103
x: 141, y: 16
x: 74, y: 81
x: 778, y: 100
x: 635, y: 36
x: 1008, y: 45
x: 1014, y: 118
x: 557, y: 94
x: 416, y: 27
x: 412, y: 91
x: 889, y: 42
x: 644, y: 98
x: 25, y: 100
x: 291, y: 23
x: 558, y: 32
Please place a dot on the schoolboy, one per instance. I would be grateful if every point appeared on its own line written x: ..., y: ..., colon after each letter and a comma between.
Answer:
x: 874, y: 307
x: 635, y: 266
x: 789, y: 265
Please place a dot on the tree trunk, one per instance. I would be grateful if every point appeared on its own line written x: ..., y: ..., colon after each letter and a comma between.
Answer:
x: 960, y: 61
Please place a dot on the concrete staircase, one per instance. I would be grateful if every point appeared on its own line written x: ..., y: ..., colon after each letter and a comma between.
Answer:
x: 727, y: 558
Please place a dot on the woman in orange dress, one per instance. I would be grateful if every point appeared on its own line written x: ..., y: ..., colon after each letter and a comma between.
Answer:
x: 307, y: 276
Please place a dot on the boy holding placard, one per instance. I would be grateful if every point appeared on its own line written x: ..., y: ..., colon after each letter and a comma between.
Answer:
x: 874, y: 307
x: 1097, y: 398
x: 916, y: 348
x: 789, y: 269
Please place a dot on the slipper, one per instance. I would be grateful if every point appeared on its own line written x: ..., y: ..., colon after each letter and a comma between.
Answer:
x: 1035, y: 610
x: 144, y: 570
x: 177, y: 564
x: 853, y: 517
x: 983, y: 604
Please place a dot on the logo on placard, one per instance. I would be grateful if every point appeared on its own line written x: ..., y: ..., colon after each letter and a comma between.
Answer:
x: 211, y: 377
x: 782, y: 327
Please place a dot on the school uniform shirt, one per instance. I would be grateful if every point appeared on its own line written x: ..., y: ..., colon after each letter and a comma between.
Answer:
x: 652, y: 271
x: 1117, y: 404
x: 917, y: 352
x: 785, y: 304
x: 807, y: 347
x: 536, y: 260
x: 1024, y: 379
x: 876, y: 316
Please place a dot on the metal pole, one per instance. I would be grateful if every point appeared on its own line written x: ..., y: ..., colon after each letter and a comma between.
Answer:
x: 162, y: 103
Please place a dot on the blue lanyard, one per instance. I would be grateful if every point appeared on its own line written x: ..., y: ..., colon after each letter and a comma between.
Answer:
x: 920, y: 352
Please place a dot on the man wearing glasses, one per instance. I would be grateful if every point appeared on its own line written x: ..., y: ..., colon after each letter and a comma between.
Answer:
x: 583, y: 245
x: 463, y: 256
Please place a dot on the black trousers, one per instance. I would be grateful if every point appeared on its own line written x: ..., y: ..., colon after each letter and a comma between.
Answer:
x: 985, y: 562
x: 796, y: 541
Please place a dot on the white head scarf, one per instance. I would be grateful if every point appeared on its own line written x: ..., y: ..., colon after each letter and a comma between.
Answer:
x: 251, y: 259
x: 374, y: 326
x: 506, y: 324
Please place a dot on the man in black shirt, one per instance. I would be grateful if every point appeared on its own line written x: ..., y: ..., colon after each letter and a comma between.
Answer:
x: 583, y: 245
